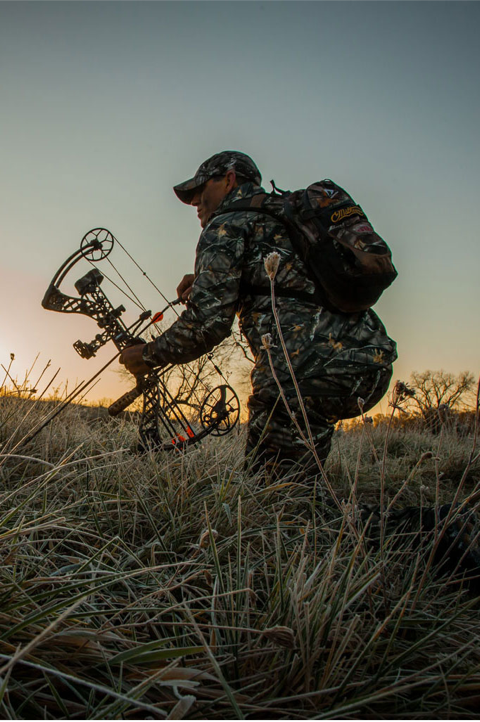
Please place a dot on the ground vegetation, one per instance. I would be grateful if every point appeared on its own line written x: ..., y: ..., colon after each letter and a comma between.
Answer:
x: 180, y: 585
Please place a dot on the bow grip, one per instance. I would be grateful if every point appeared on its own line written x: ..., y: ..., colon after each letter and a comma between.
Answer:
x: 124, y: 401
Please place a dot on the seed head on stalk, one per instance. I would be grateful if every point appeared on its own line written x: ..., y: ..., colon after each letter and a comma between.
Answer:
x: 271, y: 263
x: 267, y: 341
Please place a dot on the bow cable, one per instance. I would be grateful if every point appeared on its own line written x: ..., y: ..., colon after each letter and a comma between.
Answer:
x: 134, y: 298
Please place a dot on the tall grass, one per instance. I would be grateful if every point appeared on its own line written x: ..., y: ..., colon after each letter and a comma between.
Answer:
x: 177, y: 586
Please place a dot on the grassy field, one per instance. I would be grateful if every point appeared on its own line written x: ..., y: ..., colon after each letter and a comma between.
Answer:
x: 178, y: 586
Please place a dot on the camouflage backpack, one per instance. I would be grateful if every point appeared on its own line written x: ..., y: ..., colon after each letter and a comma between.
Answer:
x: 348, y: 262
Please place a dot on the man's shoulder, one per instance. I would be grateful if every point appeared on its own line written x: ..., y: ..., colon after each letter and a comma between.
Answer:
x: 223, y: 220
x: 235, y: 209
x: 228, y: 218
x: 243, y: 193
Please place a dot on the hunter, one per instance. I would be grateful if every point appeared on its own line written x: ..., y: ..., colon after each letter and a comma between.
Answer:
x: 342, y: 361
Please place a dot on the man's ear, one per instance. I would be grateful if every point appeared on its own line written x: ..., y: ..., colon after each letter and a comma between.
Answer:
x: 230, y: 180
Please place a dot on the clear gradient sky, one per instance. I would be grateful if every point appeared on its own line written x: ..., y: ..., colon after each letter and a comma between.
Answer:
x: 106, y: 105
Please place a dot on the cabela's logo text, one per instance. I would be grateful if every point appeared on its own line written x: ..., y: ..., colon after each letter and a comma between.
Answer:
x: 345, y: 212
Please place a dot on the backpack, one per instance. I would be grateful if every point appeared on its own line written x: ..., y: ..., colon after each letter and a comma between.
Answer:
x: 349, y: 264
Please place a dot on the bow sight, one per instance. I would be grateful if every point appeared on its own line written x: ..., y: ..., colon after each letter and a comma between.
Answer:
x: 162, y: 424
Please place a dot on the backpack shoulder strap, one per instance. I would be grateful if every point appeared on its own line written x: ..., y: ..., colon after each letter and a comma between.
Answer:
x: 256, y: 205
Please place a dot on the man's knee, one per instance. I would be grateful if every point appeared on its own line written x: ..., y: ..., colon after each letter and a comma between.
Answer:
x: 275, y: 442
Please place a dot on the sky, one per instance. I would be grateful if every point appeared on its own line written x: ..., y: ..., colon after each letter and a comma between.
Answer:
x: 107, y: 105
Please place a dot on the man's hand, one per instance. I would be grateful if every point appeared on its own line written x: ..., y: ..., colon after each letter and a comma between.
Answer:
x: 185, y: 286
x: 132, y: 359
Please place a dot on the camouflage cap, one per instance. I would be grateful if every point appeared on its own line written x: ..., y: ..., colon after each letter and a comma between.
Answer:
x: 218, y: 165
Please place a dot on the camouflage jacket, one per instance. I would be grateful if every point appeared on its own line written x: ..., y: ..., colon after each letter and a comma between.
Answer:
x: 230, y: 256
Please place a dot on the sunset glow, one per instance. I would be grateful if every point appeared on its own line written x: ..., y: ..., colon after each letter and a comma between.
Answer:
x: 105, y: 106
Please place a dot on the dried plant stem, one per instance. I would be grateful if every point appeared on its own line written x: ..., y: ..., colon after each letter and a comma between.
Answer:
x: 309, y: 442
x: 289, y: 364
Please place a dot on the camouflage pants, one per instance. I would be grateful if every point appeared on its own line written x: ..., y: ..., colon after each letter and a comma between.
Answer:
x: 273, y: 438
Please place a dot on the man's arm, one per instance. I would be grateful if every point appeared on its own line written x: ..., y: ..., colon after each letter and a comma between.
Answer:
x: 213, y: 297
x: 132, y: 357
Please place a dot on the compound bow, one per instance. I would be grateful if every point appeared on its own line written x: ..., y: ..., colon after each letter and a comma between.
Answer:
x: 163, y: 424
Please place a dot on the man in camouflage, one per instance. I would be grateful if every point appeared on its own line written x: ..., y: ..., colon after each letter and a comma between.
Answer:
x: 337, y: 358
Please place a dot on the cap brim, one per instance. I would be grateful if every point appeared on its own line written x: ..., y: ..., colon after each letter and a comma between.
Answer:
x: 185, y: 191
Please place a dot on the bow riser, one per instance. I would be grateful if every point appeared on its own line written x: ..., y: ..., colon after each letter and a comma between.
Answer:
x: 94, y: 304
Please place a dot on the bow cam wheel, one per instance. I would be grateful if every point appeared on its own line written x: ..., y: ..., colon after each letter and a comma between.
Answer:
x: 220, y: 409
x: 97, y: 244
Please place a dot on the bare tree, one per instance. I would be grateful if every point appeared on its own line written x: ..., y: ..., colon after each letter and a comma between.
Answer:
x: 435, y: 395
x: 435, y: 389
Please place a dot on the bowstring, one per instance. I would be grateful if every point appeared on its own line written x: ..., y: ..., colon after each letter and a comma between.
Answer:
x: 144, y: 273
x: 133, y: 298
